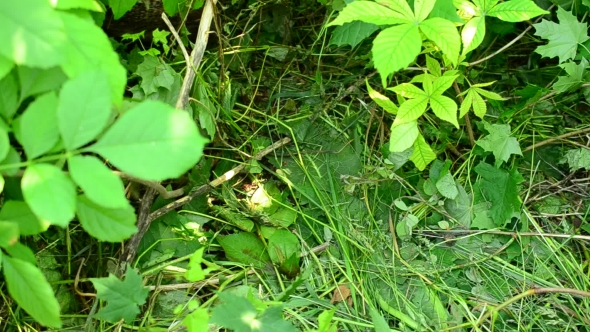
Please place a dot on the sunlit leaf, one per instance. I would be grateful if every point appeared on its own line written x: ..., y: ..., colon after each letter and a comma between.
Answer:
x: 422, y: 154
x: 403, y: 136
x: 516, y: 10
x: 445, y: 35
x: 396, y: 48
x: 369, y: 12
x: 473, y: 33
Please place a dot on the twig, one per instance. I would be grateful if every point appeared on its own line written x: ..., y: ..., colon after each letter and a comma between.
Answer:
x: 556, y: 138
x: 162, y: 191
x: 467, y: 120
x: 197, y: 54
x: 143, y: 223
x: 187, y: 58
x: 207, y: 187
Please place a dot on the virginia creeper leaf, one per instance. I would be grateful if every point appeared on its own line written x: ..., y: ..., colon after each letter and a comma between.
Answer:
x: 369, y: 12
x: 6, y: 66
x: 382, y: 100
x: 403, y: 136
x: 34, y: 80
x: 120, y: 7
x: 411, y: 110
x: 395, y: 48
x: 422, y: 9
x: 473, y: 33
x: 152, y: 141
x: 50, y: 194
x: 445, y: 35
x: 516, y: 10
x: 422, y: 154
x: 352, y: 33
x: 445, y: 108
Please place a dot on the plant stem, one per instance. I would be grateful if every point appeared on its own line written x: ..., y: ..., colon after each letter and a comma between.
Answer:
x: 467, y: 120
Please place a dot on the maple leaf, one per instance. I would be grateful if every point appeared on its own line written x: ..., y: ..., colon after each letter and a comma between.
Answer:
x: 500, y: 188
x: 123, y: 297
x: 563, y: 37
x: 499, y: 142
x: 574, y: 78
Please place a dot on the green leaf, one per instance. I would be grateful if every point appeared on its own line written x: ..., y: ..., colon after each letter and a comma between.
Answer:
x: 205, y: 109
x: 499, y: 142
x: 237, y: 313
x: 284, y: 217
x: 480, y: 107
x: 123, y: 297
x: 433, y: 66
x: 6, y: 66
x: 84, y: 108
x: 460, y: 207
x: 152, y: 141
x: 4, y: 143
x: 395, y: 48
x: 38, y: 126
x: 403, y: 136
x: 8, y: 97
x: 408, y: 90
x: 516, y: 10
x: 574, y: 78
x: 154, y: 74
x: 422, y: 9
x: 442, y: 84
x: 563, y: 37
x: 88, y: 48
x: 382, y: 100
x: 422, y: 154
x: 13, y: 159
x: 35, y: 81
x: 352, y: 33
x: 195, y: 272
x: 577, y: 159
x: 50, y: 194
x: 488, y: 94
x: 400, y: 6
x: 446, y: 186
x: 379, y: 323
x: 79, y: 4
x: 245, y: 248
x: 369, y: 12
x: 120, y: 7
x: 105, y: 224
x: 29, y: 288
x: 19, y: 213
x: 445, y: 35
x: 473, y: 33
x: 281, y: 245
x: 22, y: 252
x: 32, y: 32
x: 411, y: 110
x: 99, y: 183
x: 171, y: 7
x: 404, y: 227
x: 197, y: 321
x: 445, y: 9
x: 500, y: 188
x: 445, y: 108
x: 9, y: 233
x: 325, y: 321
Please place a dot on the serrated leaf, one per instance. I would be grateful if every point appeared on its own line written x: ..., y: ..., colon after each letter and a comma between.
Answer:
x: 460, y: 207
x: 473, y: 33
x: 245, y: 248
x: 99, y: 183
x: 433, y: 66
x: 399, y: 6
x: 443, y: 83
x: 123, y: 297
x: 408, y: 90
x: 577, y: 159
x: 88, y: 48
x: 154, y: 74
x: 500, y: 188
x: 152, y: 141
x: 563, y: 37
x: 499, y: 142
x: 35, y: 81
x: 422, y: 154
x: 19, y: 213
x: 50, y: 194
x: 29, y: 288
x: 445, y: 9
x: 445, y: 35
x: 32, y: 32
x: 38, y: 126
x: 369, y: 12
x: 382, y: 100
x: 574, y: 79
x: 516, y: 10
x: 352, y: 33
x: 84, y: 108
x: 106, y: 224
x: 195, y: 271
x: 403, y: 136
x: 480, y: 107
x: 488, y: 94
x: 197, y: 320
x: 6, y: 66
x: 120, y: 7
x: 422, y: 9
x: 395, y: 48
x: 446, y: 186
x: 445, y: 108
x: 411, y: 110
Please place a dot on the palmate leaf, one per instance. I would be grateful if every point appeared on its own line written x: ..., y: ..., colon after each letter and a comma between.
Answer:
x: 403, y: 136
x: 395, y: 48
x: 473, y: 33
x: 499, y: 142
x: 29, y: 288
x: 445, y: 35
x: 563, y: 37
x: 152, y: 141
x: 516, y: 10
x: 422, y: 154
x: 500, y: 188
x: 575, y: 76
x: 123, y: 297
x: 32, y: 32
x: 369, y: 12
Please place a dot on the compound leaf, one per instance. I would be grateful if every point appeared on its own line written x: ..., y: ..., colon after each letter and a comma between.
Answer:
x: 445, y: 108
x: 575, y: 76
